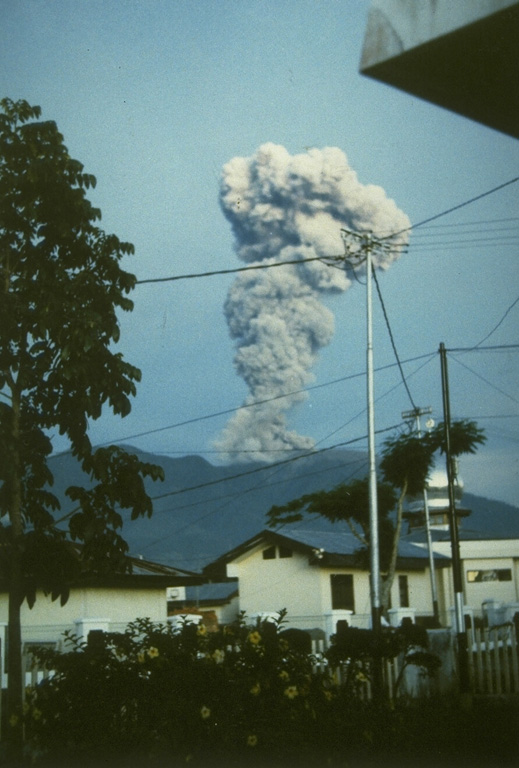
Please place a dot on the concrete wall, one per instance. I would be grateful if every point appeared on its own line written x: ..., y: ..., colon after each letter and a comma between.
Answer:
x: 108, y: 608
x: 395, y: 26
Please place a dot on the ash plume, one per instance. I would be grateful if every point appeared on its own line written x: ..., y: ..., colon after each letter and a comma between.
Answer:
x: 289, y: 208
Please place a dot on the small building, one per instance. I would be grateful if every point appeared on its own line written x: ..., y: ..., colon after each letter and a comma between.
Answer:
x: 106, y: 603
x: 459, y: 55
x: 216, y: 603
x: 318, y: 577
x: 489, y: 558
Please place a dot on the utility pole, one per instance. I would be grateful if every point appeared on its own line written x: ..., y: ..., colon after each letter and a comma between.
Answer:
x: 359, y: 247
x: 461, y: 632
x: 376, y: 608
x: 416, y: 413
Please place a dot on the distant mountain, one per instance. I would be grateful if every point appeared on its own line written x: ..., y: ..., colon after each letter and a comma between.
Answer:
x: 202, y: 510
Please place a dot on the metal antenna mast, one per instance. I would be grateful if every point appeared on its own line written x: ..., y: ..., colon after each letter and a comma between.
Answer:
x: 416, y: 413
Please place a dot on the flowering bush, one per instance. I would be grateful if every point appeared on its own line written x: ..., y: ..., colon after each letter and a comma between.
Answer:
x: 243, y: 696
x: 187, y: 693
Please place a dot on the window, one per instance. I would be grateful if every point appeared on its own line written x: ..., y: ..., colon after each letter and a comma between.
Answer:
x: 272, y: 552
x: 403, y: 591
x: 342, y: 591
x: 493, y: 574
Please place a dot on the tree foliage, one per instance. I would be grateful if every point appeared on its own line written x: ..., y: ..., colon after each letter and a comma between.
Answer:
x: 61, y: 287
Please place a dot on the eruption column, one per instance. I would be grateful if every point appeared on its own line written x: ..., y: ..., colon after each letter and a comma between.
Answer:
x: 289, y: 208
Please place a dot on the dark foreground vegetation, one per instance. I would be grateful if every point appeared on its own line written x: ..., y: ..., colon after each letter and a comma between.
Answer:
x: 242, y: 696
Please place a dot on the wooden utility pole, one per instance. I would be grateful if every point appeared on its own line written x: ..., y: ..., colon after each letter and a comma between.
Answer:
x: 461, y: 632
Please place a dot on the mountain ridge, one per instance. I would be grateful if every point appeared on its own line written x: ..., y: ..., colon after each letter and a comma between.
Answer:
x: 202, y: 510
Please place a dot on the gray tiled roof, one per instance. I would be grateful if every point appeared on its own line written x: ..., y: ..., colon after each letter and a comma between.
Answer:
x: 345, y: 543
x: 216, y: 592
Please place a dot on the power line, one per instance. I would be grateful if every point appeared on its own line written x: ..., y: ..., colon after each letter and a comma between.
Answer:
x: 268, y: 467
x: 454, y: 208
x: 482, y: 222
x: 231, y: 271
x: 324, y: 258
x: 478, y: 375
x: 211, y: 512
x: 258, y: 402
x: 512, y: 305
x: 491, y: 348
x: 388, y: 326
x: 502, y: 240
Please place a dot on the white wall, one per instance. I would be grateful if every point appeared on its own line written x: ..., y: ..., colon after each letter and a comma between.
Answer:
x: 304, y: 589
x: 47, y: 620
x: 271, y: 585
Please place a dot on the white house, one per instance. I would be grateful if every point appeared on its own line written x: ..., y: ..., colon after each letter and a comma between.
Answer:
x: 489, y: 559
x: 105, y: 603
x: 318, y: 578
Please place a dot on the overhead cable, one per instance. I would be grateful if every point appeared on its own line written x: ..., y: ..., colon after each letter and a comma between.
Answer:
x: 454, y: 208
x: 388, y: 326
x: 256, y: 403
x: 321, y: 258
x: 270, y: 466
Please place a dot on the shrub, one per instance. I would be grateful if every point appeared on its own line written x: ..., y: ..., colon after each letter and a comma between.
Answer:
x: 187, y: 693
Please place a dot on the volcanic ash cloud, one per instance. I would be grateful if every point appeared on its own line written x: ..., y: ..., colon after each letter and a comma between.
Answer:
x: 289, y: 208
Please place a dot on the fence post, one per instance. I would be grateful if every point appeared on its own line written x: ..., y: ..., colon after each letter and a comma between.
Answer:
x: 498, y: 662
x: 515, y: 650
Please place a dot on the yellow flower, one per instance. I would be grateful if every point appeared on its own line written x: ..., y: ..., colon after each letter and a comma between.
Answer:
x: 153, y: 652
x: 361, y: 677
x: 219, y: 656
x: 205, y: 712
x: 283, y: 675
x: 291, y: 692
x: 201, y: 630
x: 256, y: 688
x: 254, y: 638
x: 252, y: 740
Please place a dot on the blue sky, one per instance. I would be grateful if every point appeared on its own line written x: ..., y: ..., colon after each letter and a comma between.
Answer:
x: 154, y: 97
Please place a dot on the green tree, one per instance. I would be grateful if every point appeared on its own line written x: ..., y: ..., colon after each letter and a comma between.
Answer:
x: 61, y: 286
x: 405, y: 465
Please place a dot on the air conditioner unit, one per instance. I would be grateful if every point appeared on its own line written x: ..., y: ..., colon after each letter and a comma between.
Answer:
x: 172, y: 593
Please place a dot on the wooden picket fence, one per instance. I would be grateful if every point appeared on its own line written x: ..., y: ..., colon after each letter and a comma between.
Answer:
x: 358, y: 672
x: 493, y: 666
x: 494, y: 660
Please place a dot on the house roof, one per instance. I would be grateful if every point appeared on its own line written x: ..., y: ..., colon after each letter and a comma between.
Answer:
x: 460, y: 56
x: 181, y: 576
x: 464, y: 534
x: 145, y: 574
x: 324, y: 548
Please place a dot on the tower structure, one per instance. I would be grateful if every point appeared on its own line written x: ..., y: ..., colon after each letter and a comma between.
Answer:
x: 438, y: 503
